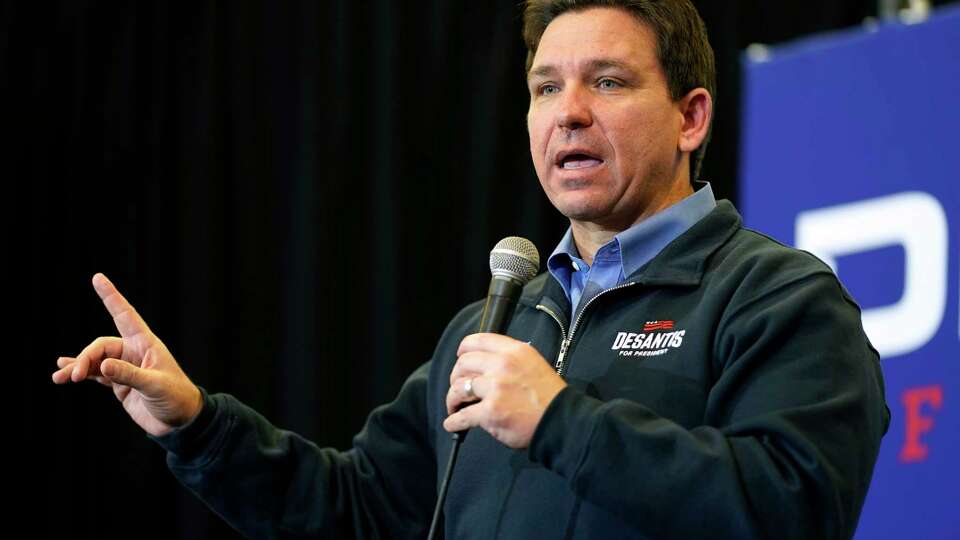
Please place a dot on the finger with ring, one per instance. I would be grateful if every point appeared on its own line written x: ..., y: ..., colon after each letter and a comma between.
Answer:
x: 468, y: 389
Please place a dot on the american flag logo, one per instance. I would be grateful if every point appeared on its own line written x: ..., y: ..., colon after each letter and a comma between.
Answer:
x: 650, y: 326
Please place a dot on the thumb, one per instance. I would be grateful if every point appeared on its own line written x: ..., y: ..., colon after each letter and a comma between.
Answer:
x: 126, y: 373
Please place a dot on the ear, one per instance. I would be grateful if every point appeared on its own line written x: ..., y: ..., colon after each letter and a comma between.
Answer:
x: 697, y: 110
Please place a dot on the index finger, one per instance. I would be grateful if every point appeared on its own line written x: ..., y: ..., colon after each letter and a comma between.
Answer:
x: 495, y: 343
x: 126, y: 319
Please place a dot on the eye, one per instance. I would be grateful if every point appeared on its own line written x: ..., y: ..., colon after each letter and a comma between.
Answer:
x: 547, y: 89
x: 608, y: 84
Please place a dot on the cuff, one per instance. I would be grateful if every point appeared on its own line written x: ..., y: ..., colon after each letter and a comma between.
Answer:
x: 192, y: 438
x: 562, y: 438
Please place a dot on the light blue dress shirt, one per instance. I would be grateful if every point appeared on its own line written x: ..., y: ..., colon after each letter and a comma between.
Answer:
x: 627, y: 251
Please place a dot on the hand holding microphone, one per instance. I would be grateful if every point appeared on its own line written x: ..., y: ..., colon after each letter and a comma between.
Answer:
x: 503, y: 385
x: 511, y: 383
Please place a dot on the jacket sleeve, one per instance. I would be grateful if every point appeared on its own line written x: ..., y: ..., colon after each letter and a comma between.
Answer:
x: 271, y: 483
x: 790, y: 436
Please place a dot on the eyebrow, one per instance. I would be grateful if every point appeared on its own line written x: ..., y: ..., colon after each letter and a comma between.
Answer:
x: 593, y: 65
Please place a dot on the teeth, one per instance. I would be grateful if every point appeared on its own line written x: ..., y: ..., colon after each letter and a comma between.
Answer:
x: 580, y: 163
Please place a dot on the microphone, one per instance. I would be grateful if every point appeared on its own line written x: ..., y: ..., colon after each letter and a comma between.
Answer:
x: 514, y: 261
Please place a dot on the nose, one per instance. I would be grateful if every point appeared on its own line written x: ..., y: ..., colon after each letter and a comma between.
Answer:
x: 574, y: 110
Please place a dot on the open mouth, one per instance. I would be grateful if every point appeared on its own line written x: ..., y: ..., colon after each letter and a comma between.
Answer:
x: 579, y: 161
x: 576, y: 158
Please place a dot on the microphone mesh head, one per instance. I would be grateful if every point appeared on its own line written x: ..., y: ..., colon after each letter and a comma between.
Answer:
x: 515, y: 257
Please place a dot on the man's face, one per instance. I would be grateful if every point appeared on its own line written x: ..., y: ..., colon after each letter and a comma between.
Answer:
x: 597, y: 91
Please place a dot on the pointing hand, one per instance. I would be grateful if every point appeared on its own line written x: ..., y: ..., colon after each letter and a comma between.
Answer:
x: 144, y: 376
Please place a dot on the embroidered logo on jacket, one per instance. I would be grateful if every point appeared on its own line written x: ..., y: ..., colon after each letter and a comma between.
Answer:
x: 657, y: 338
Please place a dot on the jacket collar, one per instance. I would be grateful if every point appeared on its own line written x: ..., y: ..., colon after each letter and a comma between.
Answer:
x: 680, y: 263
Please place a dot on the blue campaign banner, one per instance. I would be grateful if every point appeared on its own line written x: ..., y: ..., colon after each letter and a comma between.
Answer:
x: 851, y: 152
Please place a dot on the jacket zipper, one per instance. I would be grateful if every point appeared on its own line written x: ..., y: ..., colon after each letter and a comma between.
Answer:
x: 567, y: 340
x: 564, y: 343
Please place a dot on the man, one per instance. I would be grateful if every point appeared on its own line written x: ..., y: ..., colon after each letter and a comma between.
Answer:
x: 673, y: 375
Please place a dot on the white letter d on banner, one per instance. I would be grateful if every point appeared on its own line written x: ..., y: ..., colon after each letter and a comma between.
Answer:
x: 914, y: 220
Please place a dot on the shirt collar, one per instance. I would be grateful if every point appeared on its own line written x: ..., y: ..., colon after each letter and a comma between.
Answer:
x: 643, y: 241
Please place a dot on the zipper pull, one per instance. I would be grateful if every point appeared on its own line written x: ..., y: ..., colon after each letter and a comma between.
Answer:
x: 563, y: 352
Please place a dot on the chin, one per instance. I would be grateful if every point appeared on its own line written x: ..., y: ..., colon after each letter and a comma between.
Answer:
x: 583, y: 210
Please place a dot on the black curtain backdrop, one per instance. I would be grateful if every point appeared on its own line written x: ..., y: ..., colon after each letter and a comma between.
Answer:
x: 296, y: 196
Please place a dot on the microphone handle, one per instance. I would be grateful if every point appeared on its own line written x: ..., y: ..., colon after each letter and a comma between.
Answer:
x: 501, y: 300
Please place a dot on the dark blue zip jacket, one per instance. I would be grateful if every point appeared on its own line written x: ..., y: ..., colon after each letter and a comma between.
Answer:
x: 725, y: 390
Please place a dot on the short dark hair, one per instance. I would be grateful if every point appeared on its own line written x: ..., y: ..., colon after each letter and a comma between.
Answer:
x: 682, y: 45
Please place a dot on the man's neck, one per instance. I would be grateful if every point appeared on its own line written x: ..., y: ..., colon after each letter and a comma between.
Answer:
x: 591, y: 236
